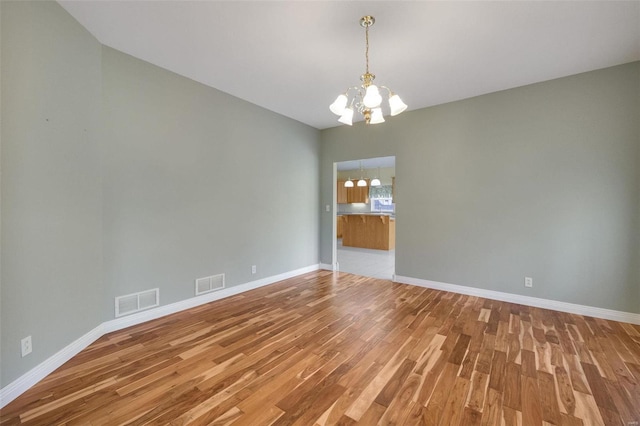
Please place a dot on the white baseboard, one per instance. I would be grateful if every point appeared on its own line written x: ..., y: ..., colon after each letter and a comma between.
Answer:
x: 326, y: 266
x: 144, y: 316
x: 42, y: 370
x: 555, y: 305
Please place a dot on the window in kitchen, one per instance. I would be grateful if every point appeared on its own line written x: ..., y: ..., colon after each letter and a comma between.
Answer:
x: 381, y: 200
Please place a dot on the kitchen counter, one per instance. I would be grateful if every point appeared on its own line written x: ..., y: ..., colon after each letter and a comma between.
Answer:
x: 368, y: 214
x: 369, y: 230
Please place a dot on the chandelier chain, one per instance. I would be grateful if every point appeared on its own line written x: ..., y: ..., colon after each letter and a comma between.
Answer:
x: 366, y: 52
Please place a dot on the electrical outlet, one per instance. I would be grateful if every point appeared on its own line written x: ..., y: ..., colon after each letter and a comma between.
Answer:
x: 25, y: 346
x: 254, y: 269
x: 528, y: 282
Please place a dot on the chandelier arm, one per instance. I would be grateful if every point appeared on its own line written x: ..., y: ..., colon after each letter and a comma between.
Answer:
x: 351, y: 96
x: 352, y: 88
x: 387, y: 89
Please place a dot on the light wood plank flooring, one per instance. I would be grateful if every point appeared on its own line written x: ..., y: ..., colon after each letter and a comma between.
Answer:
x: 325, y: 349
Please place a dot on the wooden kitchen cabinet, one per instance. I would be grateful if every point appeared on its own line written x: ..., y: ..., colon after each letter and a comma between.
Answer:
x: 358, y: 194
x: 341, y: 193
x: 369, y: 231
x: 339, y: 226
x: 354, y: 194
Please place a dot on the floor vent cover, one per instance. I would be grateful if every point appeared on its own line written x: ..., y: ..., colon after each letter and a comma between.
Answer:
x: 209, y: 284
x: 136, y: 302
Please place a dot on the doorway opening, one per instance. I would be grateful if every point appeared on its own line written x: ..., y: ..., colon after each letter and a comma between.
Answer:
x: 365, y: 221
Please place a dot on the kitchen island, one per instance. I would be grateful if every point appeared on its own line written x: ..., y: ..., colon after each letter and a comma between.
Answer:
x: 372, y: 231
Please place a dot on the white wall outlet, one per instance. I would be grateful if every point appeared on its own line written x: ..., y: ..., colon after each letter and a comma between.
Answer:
x: 528, y: 282
x: 25, y: 346
x: 254, y: 269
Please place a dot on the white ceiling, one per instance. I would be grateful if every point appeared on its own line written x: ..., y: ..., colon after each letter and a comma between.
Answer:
x: 295, y: 57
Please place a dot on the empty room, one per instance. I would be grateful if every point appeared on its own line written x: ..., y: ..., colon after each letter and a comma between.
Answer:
x: 179, y: 178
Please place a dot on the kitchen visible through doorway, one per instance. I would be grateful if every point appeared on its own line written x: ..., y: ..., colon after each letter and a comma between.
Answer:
x: 364, y: 242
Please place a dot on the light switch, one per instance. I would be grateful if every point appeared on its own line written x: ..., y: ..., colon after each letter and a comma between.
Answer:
x: 328, y: 208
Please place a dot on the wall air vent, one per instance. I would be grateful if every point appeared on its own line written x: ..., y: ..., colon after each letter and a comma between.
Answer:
x: 209, y: 284
x: 136, y: 302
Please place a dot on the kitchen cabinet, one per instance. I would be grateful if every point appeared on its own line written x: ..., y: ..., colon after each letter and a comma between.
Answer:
x: 369, y: 231
x: 354, y: 194
x: 341, y: 192
x: 339, y: 226
x: 358, y: 194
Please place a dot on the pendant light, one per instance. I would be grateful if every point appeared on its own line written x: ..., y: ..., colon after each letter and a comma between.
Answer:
x: 376, y: 181
x: 348, y: 183
x: 361, y: 182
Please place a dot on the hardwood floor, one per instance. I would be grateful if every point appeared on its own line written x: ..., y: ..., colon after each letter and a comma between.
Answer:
x: 325, y: 349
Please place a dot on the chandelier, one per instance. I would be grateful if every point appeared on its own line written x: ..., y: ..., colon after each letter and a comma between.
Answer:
x: 366, y: 98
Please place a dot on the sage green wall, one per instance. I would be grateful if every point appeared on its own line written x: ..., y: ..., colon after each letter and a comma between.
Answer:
x: 540, y: 181
x: 197, y: 182
x: 51, y: 265
x: 119, y: 176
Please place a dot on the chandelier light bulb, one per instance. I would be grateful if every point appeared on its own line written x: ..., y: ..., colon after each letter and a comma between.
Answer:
x: 347, y: 117
x: 338, y: 106
x: 376, y: 116
x: 396, y: 105
x: 372, y: 98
